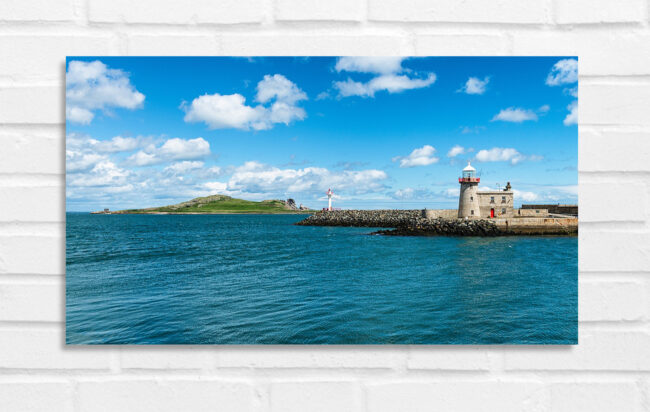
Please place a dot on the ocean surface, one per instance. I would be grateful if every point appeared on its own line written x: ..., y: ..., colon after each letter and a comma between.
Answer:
x: 257, y: 279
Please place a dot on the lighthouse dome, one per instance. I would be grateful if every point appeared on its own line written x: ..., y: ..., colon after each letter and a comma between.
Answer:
x: 469, y: 168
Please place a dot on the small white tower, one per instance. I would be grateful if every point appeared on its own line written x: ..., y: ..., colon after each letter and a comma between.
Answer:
x: 329, y: 199
x: 468, y: 204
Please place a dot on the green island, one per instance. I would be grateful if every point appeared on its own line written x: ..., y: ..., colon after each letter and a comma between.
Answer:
x: 220, y: 204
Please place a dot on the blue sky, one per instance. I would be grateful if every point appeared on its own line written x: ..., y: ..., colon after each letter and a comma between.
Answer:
x: 381, y: 132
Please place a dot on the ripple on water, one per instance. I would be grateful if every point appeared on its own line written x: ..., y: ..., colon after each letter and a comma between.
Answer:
x: 245, y: 279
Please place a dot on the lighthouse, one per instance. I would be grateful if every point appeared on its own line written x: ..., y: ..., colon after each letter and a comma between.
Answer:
x: 329, y: 199
x: 468, y: 202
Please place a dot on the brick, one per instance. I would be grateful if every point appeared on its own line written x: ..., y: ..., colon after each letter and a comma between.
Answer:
x: 599, y: 11
x: 174, y: 12
x: 448, y: 358
x: 161, y: 45
x: 36, y: 10
x: 311, y: 45
x: 49, y: 62
x: 600, y: 51
x: 460, y: 44
x: 594, y: 397
x: 309, y: 357
x: 171, y: 357
x: 614, y: 104
x: 624, y: 201
x: 617, y: 151
x: 32, y: 150
x: 165, y: 395
x: 26, y: 204
x: 603, y: 350
x: 455, y: 396
x: 36, y: 396
x: 32, y: 254
x: 315, y: 396
x: 45, y: 349
x: 32, y: 302
x: 339, y: 10
x: 611, y: 301
x: 45, y: 103
x: 613, y: 251
x: 472, y: 11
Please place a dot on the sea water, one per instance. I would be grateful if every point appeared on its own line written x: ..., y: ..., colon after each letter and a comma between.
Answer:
x: 258, y: 279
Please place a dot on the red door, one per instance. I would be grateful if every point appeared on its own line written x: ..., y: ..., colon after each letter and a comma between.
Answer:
x: 491, y: 212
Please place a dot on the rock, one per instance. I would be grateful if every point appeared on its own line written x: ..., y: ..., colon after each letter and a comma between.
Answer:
x: 404, y: 222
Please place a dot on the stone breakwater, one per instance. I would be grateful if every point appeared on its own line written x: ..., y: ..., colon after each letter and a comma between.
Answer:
x: 413, y: 223
x: 404, y: 222
x: 362, y: 218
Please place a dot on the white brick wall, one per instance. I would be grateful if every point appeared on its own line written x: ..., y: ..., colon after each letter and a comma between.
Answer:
x: 608, y: 371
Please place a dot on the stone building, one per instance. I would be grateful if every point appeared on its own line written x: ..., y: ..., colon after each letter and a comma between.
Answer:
x: 473, y: 203
x: 497, y: 203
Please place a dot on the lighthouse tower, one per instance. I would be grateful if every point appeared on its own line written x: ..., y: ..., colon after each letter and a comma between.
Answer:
x: 329, y: 199
x: 468, y: 205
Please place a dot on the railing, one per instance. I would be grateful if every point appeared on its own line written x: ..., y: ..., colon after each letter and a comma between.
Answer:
x: 469, y: 179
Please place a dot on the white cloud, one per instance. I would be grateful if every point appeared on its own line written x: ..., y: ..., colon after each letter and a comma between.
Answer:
x: 172, y: 149
x: 78, y: 115
x: 455, y: 151
x: 452, y: 192
x: 388, y: 76
x: 498, y: 154
x: 406, y: 193
x: 76, y: 160
x: 544, y: 109
x: 422, y: 156
x: 184, y: 166
x: 525, y: 196
x: 409, y: 193
x: 231, y: 111
x: 83, y: 152
x: 572, y: 117
x: 104, y: 173
x: 323, y: 96
x: 93, y: 86
x: 217, y: 187
x: 116, y: 144
x: 280, y: 88
x: 225, y: 111
x: 255, y: 177
x: 515, y: 115
x: 563, y: 72
x: 471, y: 129
x: 474, y: 85
x: 571, y: 91
x: 567, y: 193
x: 121, y: 144
x: 377, y: 65
x: 392, y: 83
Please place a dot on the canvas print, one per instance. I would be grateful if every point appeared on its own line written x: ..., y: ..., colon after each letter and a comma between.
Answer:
x: 321, y: 200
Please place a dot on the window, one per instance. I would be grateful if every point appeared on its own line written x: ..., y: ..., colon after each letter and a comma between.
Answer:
x: 491, y: 199
x: 471, y: 198
x: 536, y: 211
x: 503, y: 199
x: 472, y: 211
x: 503, y: 211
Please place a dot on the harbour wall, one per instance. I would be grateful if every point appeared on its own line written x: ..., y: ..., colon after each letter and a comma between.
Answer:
x: 432, y: 222
x: 362, y: 218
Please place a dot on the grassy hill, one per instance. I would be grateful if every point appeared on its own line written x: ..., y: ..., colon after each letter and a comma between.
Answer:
x: 221, y: 204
